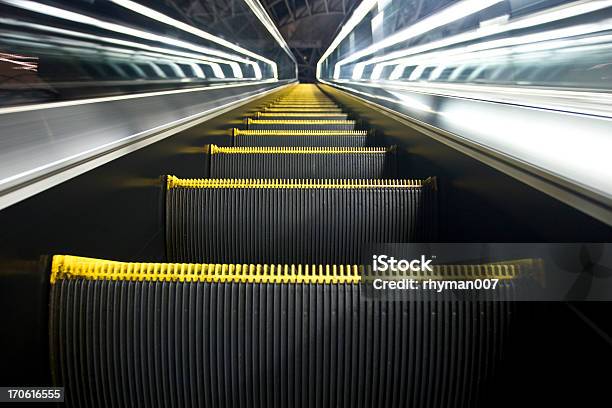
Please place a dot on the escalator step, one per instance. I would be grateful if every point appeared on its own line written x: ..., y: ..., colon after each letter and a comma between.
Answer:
x: 302, y: 162
x: 293, y: 221
x: 300, y: 115
x: 297, y: 110
x: 192, y: 335
x: 304, y: 100
x: 296, y: 138
x: 303, y: 105
x: 255, y: 124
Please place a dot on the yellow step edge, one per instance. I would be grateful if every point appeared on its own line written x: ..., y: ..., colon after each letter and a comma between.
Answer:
x: 297, y: 101
x: 298, y: 132
x: 298, y: 110
x: 305, y: 95
x: 304, y: 103
x: 74, y: 267
x: 214, y: 149
x: 317, y: 95
x: 66, y: 267
x: 304, y: 114
x: 175, y: 182
x: 297, y: 106
x: 306, y: 108
x: 300, y: 122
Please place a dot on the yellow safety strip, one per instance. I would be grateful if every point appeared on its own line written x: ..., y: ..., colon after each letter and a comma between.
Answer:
x: 298, y: 132
x: 332, y: 104
x: 214, y: 149
x: 304, y: 104
x: 175, y: 182
x: 300, y: 122
x: 296, y: 106
x: 298, y: 110
x: 65, y: 267
x: 74, y: 267
x: 304, y: 101
x: 305, y: 114
x: 305, y: 95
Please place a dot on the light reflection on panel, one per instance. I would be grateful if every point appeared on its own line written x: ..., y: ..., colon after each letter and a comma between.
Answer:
x: 556, y: 44
x: 522, y: 80
x: 81, y: 49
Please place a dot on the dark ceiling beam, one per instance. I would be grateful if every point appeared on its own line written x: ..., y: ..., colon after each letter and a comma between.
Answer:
x: 290, y: 10
x: 308, y: 7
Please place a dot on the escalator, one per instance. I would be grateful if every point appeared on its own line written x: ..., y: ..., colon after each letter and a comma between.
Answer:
x: 241, y: 277
x: 264, y: 300
x: 182, y: 224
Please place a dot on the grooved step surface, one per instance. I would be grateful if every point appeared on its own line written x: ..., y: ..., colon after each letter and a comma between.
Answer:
x: 300, y: 116
x: 294, y: 221
x: 302, y: 162
x: 304, y: 124
x: 304, y: 138
x: 294, y: 110
x: 118, y: 343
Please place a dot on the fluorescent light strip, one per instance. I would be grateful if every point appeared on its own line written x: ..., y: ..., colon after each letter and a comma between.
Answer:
x: 548, y: 16
x: 51, y: 105
x: 486, y: 50
x: 448, y: 15
x: 120, y: 53
x: 262, y: 15
x: 83, y: 19
x: 156, y: 51
x: 360, y: 12
x: 162, y: 18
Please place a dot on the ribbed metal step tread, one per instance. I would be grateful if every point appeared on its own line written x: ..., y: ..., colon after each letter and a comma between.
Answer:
x: 302, y: 162
x: 311, y: 138
x: 293, y: 221
x: 305, y: 110
x: 185, y: 335
x: 303, y: 124
x: 301, y: 116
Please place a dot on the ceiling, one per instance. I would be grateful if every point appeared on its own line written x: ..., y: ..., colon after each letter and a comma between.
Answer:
x: 308, y: 26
